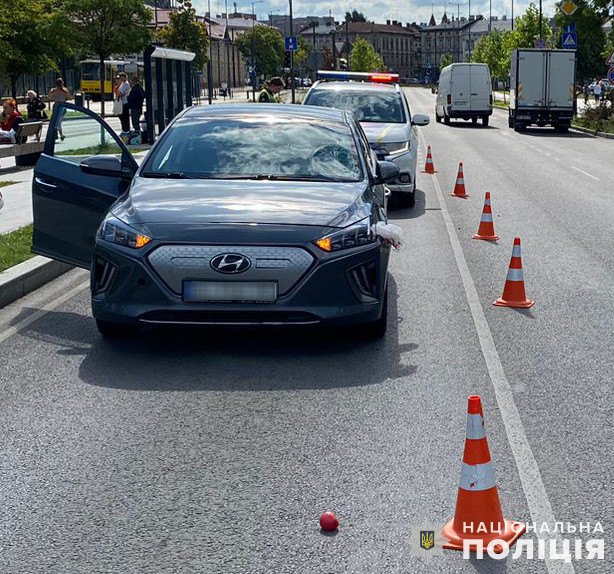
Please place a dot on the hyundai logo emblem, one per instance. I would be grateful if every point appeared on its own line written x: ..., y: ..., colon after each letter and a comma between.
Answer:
x: 230, y: 263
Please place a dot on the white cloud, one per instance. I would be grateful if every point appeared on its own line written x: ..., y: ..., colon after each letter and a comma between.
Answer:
x: 376, y: 10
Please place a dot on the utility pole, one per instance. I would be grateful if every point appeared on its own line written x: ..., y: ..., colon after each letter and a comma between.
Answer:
x: 209, y: 75
x: 490, y: 20
x: 253, y: 74
x: 227, y: 42
x: 347, y: 40
x: 292, y: 58
x: 469, y: 31
x: 540, y: 19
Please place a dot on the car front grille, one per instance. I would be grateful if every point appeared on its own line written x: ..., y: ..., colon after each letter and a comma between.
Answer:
x: 176, y: 263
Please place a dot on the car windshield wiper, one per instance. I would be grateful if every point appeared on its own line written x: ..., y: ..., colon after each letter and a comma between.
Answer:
x: 167, y: 175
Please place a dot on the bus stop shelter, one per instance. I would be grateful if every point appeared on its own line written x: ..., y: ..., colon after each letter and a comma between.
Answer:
x: 168, y: 86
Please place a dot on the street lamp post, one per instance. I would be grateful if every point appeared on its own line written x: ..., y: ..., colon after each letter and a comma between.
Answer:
x: 253, y: 74
x: 458, y: 38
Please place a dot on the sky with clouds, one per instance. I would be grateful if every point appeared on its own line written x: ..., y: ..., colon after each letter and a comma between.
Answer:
x: 375, y: 10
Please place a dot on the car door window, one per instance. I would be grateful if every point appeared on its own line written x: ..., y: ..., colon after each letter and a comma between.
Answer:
x: 78, y: 135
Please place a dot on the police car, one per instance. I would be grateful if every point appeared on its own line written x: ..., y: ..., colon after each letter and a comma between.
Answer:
x: 380, y: 106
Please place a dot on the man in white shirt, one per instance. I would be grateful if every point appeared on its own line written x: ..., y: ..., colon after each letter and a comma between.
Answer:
x: 122, y: 95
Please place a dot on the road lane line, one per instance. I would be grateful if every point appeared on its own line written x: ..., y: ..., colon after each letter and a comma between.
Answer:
x: 14, y: 329
x: 528, y: 469
x: 583, y: 172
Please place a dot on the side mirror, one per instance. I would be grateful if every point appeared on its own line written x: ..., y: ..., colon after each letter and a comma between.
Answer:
x: 386, y: 171
x: 105, y: 165
x: 420, y: 120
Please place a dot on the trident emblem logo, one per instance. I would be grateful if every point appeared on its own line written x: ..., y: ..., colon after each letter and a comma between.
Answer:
x: 427, y: 539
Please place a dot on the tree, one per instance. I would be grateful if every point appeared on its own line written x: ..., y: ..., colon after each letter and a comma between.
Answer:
x: 355, y: 16
x: 31, y: 40
x: 591, y: 39
x: 445, y: 60
x: 526, y: 30
x: 268, y: 49
x: 301, y: 55
x: 105, y: 27
x: 364, y: 58
x: 184, y: 32
x: 491, y: 50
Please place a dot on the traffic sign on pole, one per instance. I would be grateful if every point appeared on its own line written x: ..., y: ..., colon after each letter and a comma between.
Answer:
x: 568, y: 8
x: 540, y: 44
x: 291, y: 43
x: 611, y: 74
x: 610, y: 59
x: 570, y: 40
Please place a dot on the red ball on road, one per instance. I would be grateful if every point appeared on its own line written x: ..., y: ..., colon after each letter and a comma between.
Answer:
x: 329, y: 522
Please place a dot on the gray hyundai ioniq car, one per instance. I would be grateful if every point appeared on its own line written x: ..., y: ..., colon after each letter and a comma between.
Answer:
x: 238, y: 215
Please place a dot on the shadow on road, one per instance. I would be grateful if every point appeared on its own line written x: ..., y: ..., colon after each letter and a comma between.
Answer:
x: 550, y: 133
x: 228, y: 360
x: 396, y: 213
x: 470, y: 125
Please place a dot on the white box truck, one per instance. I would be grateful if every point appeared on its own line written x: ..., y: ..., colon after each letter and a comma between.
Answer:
x: 542, y: 88
x: 464, y: 92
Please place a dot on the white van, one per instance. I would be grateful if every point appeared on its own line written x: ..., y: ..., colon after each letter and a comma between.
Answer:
x: 465, y: 91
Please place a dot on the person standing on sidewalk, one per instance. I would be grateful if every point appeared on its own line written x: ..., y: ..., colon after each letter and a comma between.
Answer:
x: 56, y: 95
x: 597, y: 91
x: 122, y: 95
x: 270, y: 93
x: 136, y: 98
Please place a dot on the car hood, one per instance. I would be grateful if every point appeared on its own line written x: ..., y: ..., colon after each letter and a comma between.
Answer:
x: 172, y: 201
x: 380, y: 133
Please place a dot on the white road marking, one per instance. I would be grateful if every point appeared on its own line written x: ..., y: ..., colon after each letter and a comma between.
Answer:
x: 14, y: 329
x: 584, y: 173
x: 528, y: 470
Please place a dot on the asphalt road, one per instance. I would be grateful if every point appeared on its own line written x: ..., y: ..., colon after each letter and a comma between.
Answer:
x: 216, y: 452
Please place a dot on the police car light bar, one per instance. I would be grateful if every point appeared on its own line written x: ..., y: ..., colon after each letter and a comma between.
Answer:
x: 379, y: 78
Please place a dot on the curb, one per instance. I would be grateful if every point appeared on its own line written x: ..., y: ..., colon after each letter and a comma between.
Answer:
x: 28, y: 276
x: 593, y: 132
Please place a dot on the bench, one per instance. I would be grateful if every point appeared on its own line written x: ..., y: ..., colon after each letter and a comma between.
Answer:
x: 25, y: 153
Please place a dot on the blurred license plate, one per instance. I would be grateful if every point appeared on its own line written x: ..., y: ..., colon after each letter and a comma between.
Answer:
x: 230, y: 291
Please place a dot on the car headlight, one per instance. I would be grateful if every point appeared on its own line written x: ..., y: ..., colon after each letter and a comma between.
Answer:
x: 355, y: 235
x: 393, y: 148
x: 116, y: 231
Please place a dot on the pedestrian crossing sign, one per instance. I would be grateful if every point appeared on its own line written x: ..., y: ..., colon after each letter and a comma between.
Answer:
x: 570, y: 41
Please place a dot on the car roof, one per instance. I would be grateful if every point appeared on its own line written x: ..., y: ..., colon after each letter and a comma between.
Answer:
x: 285, y: 111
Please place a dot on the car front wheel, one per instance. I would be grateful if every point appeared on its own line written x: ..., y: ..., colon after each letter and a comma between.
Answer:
x: 406, y: 199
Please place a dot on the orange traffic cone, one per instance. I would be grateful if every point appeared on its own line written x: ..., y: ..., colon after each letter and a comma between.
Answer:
x: 430, y: 166
x: 486, y: 231
x: 459, y: 186
x: 513, y: 292
x: 478, y: 515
